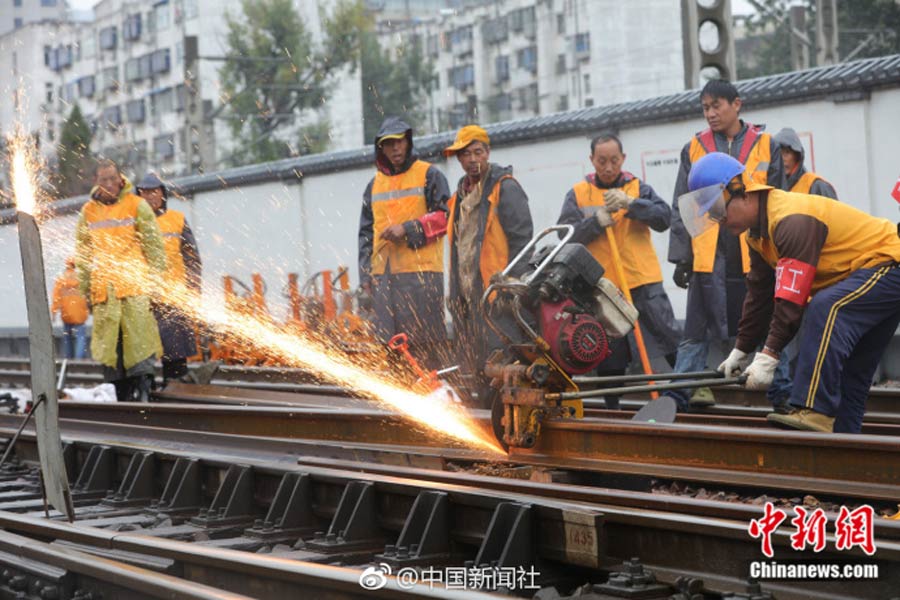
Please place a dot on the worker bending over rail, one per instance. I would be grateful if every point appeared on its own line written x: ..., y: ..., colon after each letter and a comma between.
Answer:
x: 808, y: 254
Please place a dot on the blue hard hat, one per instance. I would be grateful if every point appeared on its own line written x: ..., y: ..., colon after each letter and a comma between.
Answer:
x: 716, y: 168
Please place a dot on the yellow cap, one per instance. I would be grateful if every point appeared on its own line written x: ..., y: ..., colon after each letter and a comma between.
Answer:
x: 753, y: 186
x: 391, y: 136
x: 465, y: 136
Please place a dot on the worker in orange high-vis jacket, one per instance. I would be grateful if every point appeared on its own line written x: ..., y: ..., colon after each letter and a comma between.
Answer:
x: 712, y: 266
x: 611, y: 201
x: 72, y: 307
x: 822, y: 271
x: 401, y: 244
x: 182, y: 279
x: 120, y: 258
x: 798, y: 179
x: 490, y: 223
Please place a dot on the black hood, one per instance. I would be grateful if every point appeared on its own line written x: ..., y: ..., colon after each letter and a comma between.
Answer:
x: 788, y: 138
x: 393, y: 126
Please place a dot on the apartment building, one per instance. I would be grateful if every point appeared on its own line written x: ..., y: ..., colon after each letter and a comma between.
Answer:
x: 17, y: 13
x: 126, y: 70
x: 511, y: 59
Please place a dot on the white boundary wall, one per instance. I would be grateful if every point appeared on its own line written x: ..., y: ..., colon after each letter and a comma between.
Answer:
x: 277, y: 228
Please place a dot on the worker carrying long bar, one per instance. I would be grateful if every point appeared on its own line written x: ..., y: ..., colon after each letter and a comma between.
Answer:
x: 613, y: 206
x: 812, y: 258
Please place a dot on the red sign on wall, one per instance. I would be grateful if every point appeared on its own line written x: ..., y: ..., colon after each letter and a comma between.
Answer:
x: 895, y: 193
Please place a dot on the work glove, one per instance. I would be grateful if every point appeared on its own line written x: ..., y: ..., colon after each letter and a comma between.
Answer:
x: 760, y: 372
x: 682, y: 276
x: 736, y: 362
x: 616, y: 199
x: 603, y: 217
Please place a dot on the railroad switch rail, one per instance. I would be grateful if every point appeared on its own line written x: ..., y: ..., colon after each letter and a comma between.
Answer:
x: 274, y: 529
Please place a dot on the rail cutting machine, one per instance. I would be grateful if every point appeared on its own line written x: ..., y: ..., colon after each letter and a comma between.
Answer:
x: 556, y: 322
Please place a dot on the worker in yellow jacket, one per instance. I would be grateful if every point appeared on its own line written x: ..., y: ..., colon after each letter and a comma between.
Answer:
x: 611, y: 201
x: 182, y: 279
x: 120, y: 257
x: 72, y: 307
x: 814, y: 261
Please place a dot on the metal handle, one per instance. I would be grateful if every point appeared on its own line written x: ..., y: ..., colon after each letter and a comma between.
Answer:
x: 650, y: 377
x: 637, y: 389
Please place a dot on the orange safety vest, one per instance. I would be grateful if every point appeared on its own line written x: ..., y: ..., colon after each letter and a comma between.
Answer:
x: 494, y: 247
x: 639, y: 260
x: 755, y: 155
x: 171, y: 226
x: 805, y: 183
x: 856, y: 240
x: 116, y: 248
x: 395, y: 200
x: 67, y: 299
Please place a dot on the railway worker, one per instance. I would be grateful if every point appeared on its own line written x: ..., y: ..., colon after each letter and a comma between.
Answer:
x: 72, y: 307
x: 798, y: 179
x: 490, y: 223
x: 712, y: 267
x: 120, y: 256
x: 401, y: 249
x: 182, y: 279
x: 810, y: 257
x: 613, y: 201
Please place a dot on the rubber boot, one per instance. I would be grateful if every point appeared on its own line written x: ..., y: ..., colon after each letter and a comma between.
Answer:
x: 124, y: 389
x: 142, y: 388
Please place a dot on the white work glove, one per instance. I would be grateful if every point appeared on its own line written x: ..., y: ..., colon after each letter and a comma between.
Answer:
x: 603, y: 217
x: 735, y: 364
x: 616, y: 199
x: 760, y: 372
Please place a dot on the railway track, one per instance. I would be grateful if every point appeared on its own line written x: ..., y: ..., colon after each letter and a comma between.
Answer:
x: 248, y: 515
x: 882, y: 404
x: 590, y: 498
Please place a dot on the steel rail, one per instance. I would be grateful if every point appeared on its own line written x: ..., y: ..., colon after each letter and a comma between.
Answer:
x: 767, y: 460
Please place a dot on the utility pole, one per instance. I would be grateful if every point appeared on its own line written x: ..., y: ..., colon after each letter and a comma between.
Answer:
x: 198, y: 148
x: 799, y: 49
x: 712, y: 56
x: 827, y: 32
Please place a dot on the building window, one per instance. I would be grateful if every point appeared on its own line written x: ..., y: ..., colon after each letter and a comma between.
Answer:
x: 135, y: 111
x: 17, y: 22
x: 48, y: 52
x: 164, y: 146
x: 560, y: 23
x: 108, y: 38
x: 560, y: 64
x: 190, y: 9
x: 109, y: 79
x: 48, y: 93
x: 526, y: 58
x: 501, y: 64
x: 461, y: 77
x: 161, y: 15
x: 582, y: 43
x: 160, y: 62
x: 17, y: 3
x: 50, y: 3
x: 562, y: 103
x: 131, y: 29
x: 587, y: 83
x: 86, y: 87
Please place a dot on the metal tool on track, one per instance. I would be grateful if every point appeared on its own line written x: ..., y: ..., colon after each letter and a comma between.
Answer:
x: 556, y: 322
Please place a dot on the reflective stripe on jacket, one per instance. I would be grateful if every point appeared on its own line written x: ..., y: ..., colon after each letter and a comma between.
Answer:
x: 116, y: 248
x: 755, y: 155
x: 171, y: 226
x: 494, y: 254
x: 68, y: 300
x: 856, y: 240
x: 397, y: 199
x: 639, y: 260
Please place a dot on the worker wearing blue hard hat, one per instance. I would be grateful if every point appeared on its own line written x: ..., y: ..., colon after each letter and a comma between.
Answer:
x: 812, y: 257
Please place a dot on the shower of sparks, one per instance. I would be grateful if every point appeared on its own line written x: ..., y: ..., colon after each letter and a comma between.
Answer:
x: 290, y: 348
x: 24, y: 173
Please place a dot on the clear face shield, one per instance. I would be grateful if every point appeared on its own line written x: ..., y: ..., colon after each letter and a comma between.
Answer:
x: 702, y: 209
